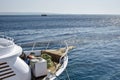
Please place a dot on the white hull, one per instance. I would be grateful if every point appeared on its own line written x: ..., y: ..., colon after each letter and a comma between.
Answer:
x: 62, y: 68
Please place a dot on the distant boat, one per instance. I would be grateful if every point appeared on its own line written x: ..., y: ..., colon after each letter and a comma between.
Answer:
x: 43, y: 14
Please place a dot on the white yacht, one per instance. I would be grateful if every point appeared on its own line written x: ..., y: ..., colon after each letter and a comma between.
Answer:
x: 16, y: 64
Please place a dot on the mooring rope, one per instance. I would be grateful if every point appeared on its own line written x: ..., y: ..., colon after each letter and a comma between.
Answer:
x: 67, y: 74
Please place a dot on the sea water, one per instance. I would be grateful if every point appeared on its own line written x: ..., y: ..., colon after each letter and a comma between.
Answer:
x: 96, y: 37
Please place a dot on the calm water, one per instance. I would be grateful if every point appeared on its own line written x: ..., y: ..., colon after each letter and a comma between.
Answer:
x: 96, y: 37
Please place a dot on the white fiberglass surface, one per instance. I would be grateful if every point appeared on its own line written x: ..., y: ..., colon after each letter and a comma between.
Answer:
x: 5, y: 43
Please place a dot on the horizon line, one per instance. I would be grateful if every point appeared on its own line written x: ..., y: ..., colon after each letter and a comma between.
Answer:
x: 50, y: 13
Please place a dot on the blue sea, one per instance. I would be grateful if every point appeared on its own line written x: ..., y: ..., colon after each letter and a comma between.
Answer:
x: 96, y: 37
